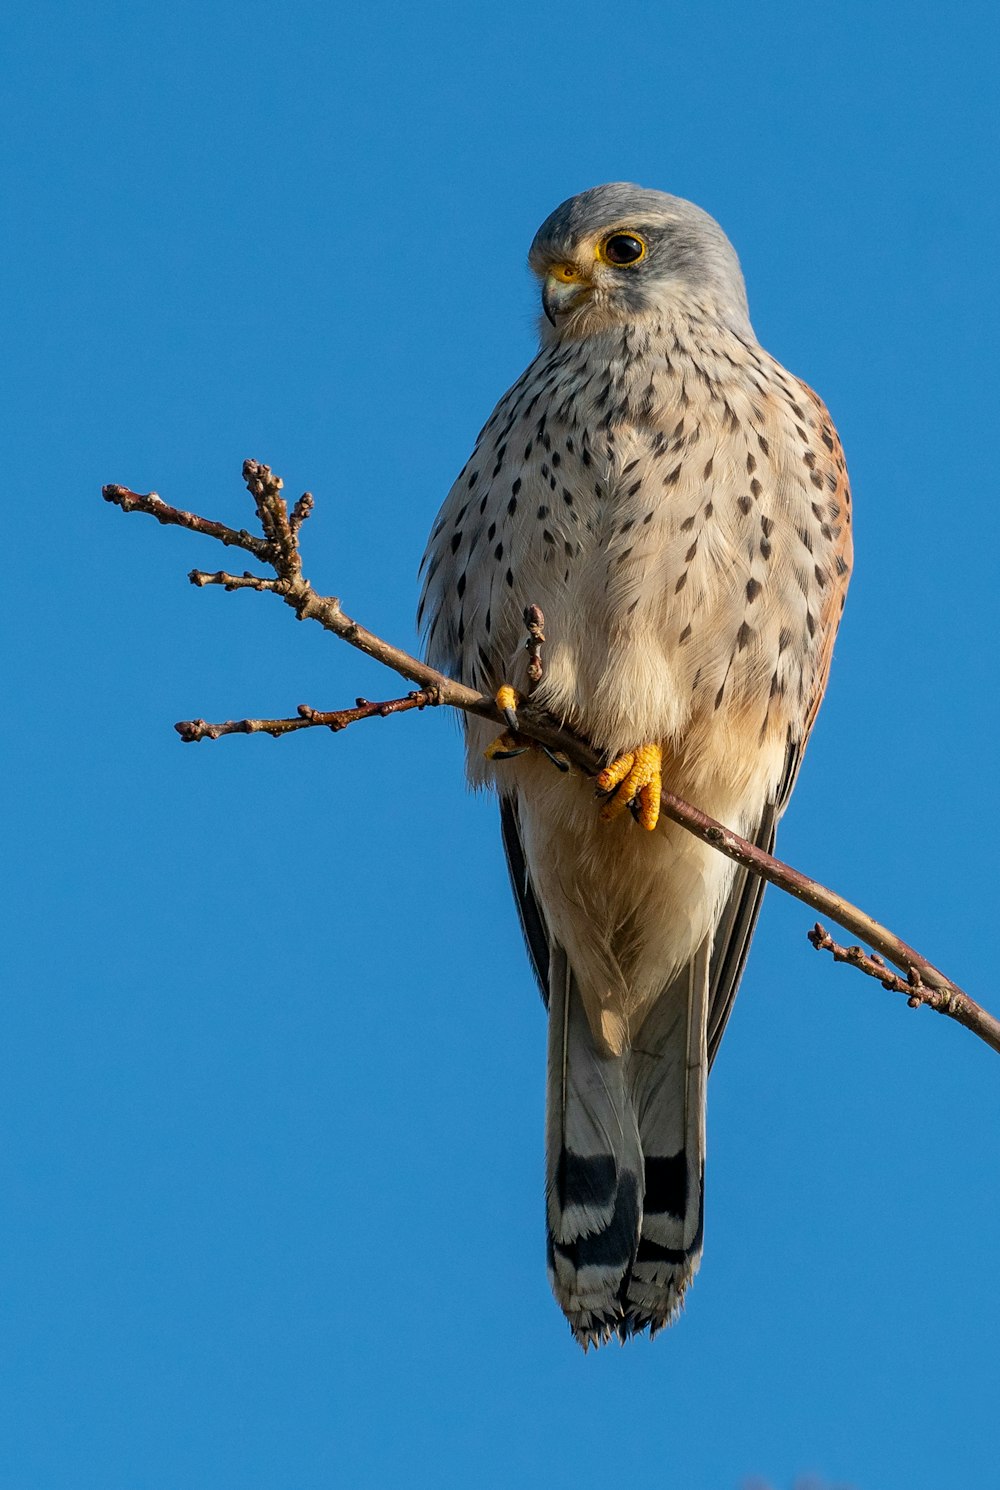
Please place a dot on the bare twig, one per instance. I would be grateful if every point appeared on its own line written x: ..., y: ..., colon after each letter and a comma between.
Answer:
x: 279, y: 550
x: 193, y: 730
x: 943, y: 996
x: 535, y: 622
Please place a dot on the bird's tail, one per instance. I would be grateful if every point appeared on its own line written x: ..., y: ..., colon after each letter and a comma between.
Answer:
x: 625, y: 1141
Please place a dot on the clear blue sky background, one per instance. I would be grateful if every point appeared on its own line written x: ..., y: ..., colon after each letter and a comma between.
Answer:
x: 272, y: 1057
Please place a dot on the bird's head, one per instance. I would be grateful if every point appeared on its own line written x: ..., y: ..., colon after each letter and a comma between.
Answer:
x: 615, y: 253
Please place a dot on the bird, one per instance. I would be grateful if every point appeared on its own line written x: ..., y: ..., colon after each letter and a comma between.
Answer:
x: 677, y: 504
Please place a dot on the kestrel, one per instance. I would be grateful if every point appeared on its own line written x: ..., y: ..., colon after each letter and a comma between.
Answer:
x: 678, y: 506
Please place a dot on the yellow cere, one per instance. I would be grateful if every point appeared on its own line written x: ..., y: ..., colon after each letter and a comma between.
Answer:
x: 567, y: 273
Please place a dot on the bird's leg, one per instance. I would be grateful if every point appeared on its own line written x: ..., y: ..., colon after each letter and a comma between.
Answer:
x: 634, y: 780
x: 510, y: 744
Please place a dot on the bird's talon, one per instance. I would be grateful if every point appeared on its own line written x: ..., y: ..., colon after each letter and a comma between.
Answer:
x: 505, y: 747
x: 559, y: 761
x: 507, y: 702
x: 634, y: 781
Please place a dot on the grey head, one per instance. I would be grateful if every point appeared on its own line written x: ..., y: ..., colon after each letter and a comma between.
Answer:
x: 617, y: 252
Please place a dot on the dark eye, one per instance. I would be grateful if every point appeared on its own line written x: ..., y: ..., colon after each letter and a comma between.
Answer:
x: 623, y: 248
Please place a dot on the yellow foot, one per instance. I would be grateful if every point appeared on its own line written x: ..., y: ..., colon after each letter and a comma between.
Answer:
x: 510, y: 744
x: 507, y: 702
x: 634, y: 780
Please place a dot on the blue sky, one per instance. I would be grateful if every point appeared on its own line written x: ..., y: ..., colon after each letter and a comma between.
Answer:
x: 273, y: 1060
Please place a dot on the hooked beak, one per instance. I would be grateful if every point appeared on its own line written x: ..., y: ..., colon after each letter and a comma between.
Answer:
x: 563, y: 288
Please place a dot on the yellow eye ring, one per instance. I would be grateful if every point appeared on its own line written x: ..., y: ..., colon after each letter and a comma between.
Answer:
x: 622, y: 249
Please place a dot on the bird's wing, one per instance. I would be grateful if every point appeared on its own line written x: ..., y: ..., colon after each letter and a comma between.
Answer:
x: 536, y: 936
x: 736, y: 927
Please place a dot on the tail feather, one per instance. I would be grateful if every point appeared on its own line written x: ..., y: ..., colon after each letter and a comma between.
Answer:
x: 625, y: 1142
x: 668, y: 1064
x: 594, y: 1166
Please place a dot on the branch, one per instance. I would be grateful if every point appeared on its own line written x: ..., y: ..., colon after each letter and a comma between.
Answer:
x: 279, y: 550
x: 192, y: 730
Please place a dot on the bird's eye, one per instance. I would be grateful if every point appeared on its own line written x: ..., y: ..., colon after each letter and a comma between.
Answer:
x: 622, y: 248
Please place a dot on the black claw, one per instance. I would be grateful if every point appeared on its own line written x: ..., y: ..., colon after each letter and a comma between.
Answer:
x: 508, y: 755
x: 559, y: 761
x: 511, y: 717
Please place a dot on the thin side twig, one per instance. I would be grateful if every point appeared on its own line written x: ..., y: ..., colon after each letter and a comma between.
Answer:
x: 943, y: 999
x: 279, y: 550
x: 193, y: 730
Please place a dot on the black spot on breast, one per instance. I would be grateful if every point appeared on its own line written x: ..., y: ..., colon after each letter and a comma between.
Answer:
x: 685, y: 634
x: 498, y: 552
x: 743, y: 636
x: 691, y: 552
x: 460, y: 587
x: 753, y: 590
x: 509, y: 577
x: 456, y: 541
x: 682, y: 581
x: 543, y: 512
x: 744, y: 504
